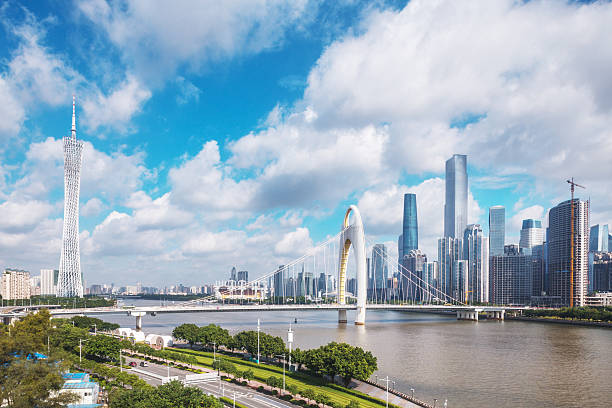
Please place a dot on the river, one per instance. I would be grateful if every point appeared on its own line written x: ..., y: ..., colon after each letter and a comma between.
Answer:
x: 471, y: 364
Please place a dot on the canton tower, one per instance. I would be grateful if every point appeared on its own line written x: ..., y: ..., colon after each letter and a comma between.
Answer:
x: 70, y: 280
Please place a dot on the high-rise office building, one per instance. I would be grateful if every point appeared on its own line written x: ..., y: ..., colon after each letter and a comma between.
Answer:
x: 602, y: 272
x: 15, y: 284
x: 532, y: 237
x: 455, y: 206
x: 409, y: 284
x: 48, y: 281
x: 497, y: 230
x: 400, y: 249
x: 559, y: 251
x: 410, y: 225
x: 380, y: 267
x: 431, y: 276
x: 599, y: 238
x: 242, y: 276
x: 70, y: 281
x: 449, y: 251
x: 461, y: 270
x: 476, y: 253
x: 511, y: 278
x: 233, y: 275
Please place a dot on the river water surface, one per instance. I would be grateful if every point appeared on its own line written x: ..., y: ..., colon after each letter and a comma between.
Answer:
x: 471, y: 364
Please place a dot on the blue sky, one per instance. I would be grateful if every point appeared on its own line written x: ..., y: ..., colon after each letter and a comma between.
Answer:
x: 222, y: 134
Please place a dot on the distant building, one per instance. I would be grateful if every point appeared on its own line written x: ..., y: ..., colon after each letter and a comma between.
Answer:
x: 461, y: 270
x: 410, y: 286
x: 497, y: 230
x: 456, y: 195
x: 511, y: 278
x: 476, y: 253
x: 48, y: 282
x: 598, y: 240
x: 233, y: 274
x: 532, y: 237
x: 243, y: 276
x: 559, y: 251
x: 449, y: 251
x: 511, y: 249
x: 380, y: 267
x: 431, y: 276
x: 602, y: 272
x: 410, y: 225
x: 15, y: 284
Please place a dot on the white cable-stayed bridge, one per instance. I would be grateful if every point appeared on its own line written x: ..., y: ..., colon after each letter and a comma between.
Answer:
x: 318, y: 281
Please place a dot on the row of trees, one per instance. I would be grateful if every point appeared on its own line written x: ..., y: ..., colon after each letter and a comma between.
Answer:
x: 601, y: 314
x: 172, y: 394
x: 215, y: 335
x: 341, y: 359
x: 87, y: 301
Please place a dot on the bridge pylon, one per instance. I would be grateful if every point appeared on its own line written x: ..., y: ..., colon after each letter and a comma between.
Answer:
x: 352, y: 235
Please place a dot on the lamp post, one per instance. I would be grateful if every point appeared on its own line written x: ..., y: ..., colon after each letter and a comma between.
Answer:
x: 120, y: 363
x: 290, y: 342
x: 80, y: 350
x: 95, y: 329
x: 387, y: 397
x: 257, y: 341
x: 234, y: 399
x: 284, y: 356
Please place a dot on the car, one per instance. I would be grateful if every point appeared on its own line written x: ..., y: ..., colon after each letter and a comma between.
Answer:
x: 144, y: 364
x: 132, y: 364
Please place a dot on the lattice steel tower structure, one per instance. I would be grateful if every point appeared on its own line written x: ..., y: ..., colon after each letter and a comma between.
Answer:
x: 70, y: 280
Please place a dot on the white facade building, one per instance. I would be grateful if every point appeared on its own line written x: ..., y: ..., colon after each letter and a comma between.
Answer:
x: 48, y: 282
x: 532, y: 236
x: 15, y: 284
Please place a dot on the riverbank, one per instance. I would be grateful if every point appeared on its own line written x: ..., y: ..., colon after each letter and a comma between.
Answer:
x: 574, y: 322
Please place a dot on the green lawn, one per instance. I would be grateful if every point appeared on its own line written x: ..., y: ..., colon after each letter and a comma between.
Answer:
x: 301, y: 380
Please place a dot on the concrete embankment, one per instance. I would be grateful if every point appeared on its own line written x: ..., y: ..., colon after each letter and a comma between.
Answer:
x: 561, y: 321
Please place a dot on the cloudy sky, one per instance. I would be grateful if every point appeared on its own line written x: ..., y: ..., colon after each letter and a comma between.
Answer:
x: 237, y: 133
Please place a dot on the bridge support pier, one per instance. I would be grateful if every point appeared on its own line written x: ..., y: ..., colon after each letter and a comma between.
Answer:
x: 360, y: 315
x: 138, y: 316
x: 496, y: 315
x: 342, y: 316
x: 467, y: 315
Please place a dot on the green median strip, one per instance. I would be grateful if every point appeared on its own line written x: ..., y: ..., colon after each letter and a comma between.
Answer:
x: 338, y: 395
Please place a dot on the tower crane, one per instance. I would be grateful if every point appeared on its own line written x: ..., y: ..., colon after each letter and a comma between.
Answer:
x: 572, y: 246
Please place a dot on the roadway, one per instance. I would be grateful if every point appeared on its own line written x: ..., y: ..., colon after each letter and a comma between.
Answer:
x: 244, y: 395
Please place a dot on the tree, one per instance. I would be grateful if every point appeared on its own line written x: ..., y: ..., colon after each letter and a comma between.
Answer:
x: 247, y: 340
x: 342, y: 359
x: 172, y: 394
x: 103, y: 347
x: 309, y: 394
x: 188, y: 332
x: 25, y: 380
x: 248, y: 375
x: 88, y: 323
x: 353, y: 404
x: 323, y: 399
x: 272, y: 381
x: 298, y: 356
x: 293, y: 389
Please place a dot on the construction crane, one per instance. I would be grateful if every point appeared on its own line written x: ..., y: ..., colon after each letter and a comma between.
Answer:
x: 573, y: 185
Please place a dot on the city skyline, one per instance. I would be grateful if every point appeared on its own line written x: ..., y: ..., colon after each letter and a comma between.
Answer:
x: 196, y: 161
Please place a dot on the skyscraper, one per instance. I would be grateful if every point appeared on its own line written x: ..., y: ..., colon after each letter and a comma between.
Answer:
x: 70, y: 280
x: 455, y: 206
x: 380, y: 268
x: 449, y: 251
x: 559, y: 251
x: 475, y: 252
x: 599, y: 238
x: 410, y: 227
x: 497, y: 230
x: 532, y: 237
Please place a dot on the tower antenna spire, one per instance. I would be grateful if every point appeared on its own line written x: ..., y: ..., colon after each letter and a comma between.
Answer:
x: 73, y: 130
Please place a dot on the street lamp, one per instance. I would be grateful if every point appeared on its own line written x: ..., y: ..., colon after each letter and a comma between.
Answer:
x: 412, y: 393
x: 387, y: 398
x: 290, y: 342
x: 95, y: 329
x: 435, y: 400
x: 257, y: 341
x: 120, y: 358
x: 284, y: 356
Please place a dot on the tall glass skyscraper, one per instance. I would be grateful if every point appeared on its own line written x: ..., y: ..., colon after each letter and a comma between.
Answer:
x: 497, y: 230
x: 475, y: 252
x: 598, y: 238
x: 532, y: 237
x: 410, y: 227
x: 455, y: 206
x: 380, y: 268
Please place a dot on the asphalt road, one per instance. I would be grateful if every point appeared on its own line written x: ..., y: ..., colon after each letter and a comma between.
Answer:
x: 244, y: 395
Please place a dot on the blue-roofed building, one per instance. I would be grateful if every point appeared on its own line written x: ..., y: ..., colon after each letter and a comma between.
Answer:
x: 81, y: 385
